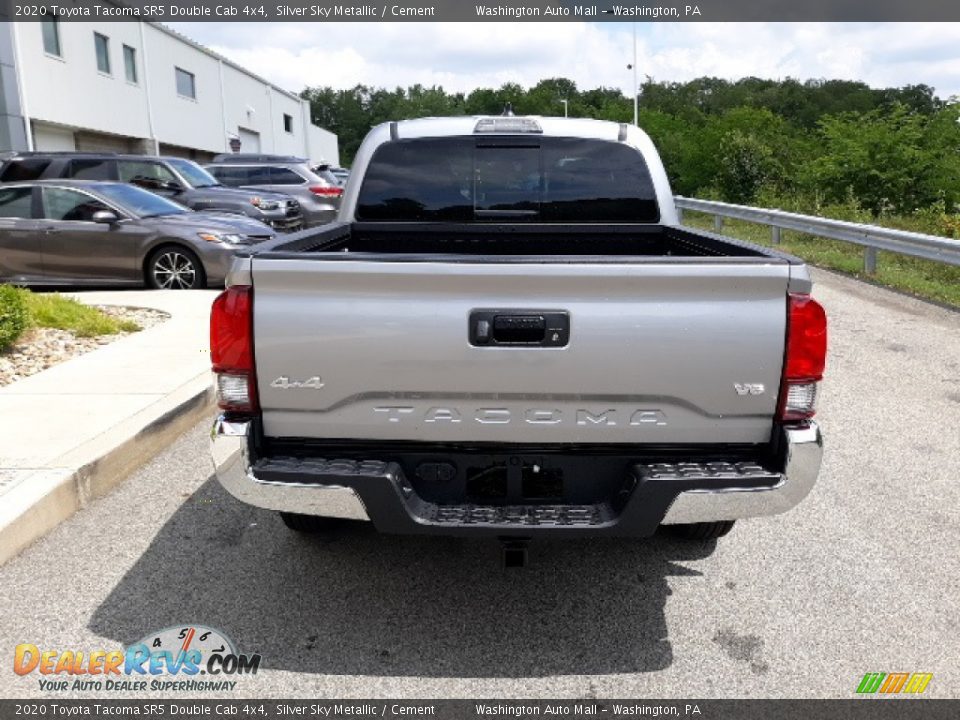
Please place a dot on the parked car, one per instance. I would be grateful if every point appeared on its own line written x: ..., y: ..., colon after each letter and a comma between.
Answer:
x: 317, y: 189
x: 174, y: 178
x: 341, y: 174
x: 85, y: 232
x: 508, y: 334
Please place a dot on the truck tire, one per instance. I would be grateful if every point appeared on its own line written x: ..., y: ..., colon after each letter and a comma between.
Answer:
x: 305, y: 523
x: 702, y: 531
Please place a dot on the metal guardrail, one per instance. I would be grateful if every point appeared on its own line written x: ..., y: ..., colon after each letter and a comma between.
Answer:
x: 870, y: 237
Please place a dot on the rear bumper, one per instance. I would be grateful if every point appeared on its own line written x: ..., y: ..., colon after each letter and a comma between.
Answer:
x: 378, y: 491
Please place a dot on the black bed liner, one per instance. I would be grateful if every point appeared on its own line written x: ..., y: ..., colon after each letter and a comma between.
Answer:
x: 443, y: 242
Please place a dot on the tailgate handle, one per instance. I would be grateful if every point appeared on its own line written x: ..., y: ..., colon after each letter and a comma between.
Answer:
x: 521, y: 327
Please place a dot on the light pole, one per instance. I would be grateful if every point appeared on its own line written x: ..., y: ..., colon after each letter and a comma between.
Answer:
x: 565, y: 103
x: 636, y: 110
x: 633, y: 66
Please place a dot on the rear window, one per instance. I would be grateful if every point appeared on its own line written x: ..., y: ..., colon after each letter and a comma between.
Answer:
x: 507, y: 179
x: 26, y: 169
x: 328, y: 176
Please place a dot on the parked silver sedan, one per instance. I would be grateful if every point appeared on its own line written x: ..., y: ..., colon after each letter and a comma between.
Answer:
x: 78, y: 232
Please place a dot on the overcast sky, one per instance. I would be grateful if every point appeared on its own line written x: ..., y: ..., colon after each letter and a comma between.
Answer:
x: 463, y: 56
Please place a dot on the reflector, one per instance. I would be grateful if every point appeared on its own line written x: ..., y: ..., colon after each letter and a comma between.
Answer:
x: 233, y: 391
x: 801, y: 400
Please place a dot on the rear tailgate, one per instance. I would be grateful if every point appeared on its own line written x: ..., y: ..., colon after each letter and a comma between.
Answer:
x: 661, y: 352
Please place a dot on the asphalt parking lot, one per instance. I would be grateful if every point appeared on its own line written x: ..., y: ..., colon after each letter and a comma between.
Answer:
x: 864, y: 576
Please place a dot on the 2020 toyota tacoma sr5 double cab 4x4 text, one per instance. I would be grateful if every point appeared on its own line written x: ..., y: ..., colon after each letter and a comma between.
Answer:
x: 507, y: 333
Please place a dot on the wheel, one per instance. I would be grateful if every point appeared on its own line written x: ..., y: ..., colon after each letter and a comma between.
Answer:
x: 306, y: 523
x: 175, y: 268
x: 702, y: 531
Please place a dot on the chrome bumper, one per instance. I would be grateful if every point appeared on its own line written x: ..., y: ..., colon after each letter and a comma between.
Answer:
x: 230, y: 449
x: 803, y: 453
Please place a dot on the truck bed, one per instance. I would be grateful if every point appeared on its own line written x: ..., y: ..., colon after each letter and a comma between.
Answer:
x: 440, y: 242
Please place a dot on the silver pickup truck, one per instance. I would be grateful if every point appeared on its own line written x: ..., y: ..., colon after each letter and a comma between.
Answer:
x: 507, y: 333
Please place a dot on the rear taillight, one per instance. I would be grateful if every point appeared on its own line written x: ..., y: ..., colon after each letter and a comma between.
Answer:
x: 326, y: 191
x: 231, y: 349
x: 805, y: 355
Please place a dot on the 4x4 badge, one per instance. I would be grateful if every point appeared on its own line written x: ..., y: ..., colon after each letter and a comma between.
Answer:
x: 749, y: 388
x: 285, y: 383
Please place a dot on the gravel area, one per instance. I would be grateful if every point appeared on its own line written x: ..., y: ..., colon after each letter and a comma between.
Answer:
x: 41, y: 348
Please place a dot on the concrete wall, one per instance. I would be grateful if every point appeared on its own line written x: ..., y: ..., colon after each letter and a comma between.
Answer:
x: 178, y: 120
x: 69, y: 93
x: 323, y: 146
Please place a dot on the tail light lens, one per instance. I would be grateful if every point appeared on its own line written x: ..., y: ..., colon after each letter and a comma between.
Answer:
x: 326, y: 191
x: 231, y: 349
x: 804, y: 359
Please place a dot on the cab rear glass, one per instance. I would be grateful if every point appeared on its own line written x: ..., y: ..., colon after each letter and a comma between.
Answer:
x: 507, y: 179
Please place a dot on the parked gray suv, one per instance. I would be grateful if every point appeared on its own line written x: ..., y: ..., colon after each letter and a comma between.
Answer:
x: 177, y: 179
x: 317, y: 189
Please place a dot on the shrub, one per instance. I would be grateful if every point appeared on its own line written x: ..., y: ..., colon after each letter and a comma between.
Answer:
x: 52, y: 310
x: 747, y: 165
x: 14, y: 317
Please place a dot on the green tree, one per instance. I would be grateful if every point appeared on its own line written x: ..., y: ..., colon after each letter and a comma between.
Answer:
x: 746, y: 166
x: 878, y: 156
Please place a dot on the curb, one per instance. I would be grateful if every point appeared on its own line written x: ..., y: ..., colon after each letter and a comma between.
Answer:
x: 50, y: 495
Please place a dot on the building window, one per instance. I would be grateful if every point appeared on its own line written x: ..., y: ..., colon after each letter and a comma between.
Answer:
x: 186, y: 84
x: 102, y: 45
x: 51, y: 36
x: 130, y: 63
x: 288, y: 123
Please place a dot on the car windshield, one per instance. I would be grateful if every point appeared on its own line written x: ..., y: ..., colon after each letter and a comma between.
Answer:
x: 194, y: 174
x: 138, y: 202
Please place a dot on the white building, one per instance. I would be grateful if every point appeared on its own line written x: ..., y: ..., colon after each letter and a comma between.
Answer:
x: 140, y: 87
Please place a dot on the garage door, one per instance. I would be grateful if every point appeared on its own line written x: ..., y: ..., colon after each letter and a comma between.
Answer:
x: 249, y: 140
x: 97, y: 142
x: 53, y: 139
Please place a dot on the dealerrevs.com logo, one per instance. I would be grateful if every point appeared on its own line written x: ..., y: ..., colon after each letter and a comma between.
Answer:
x: 187, y: 658
x: 894, y: 683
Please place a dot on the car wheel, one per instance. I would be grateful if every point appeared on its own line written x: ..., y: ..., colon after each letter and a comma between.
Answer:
x: 702, y: 531
x: 175, y: 268
x: 306, y: 523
